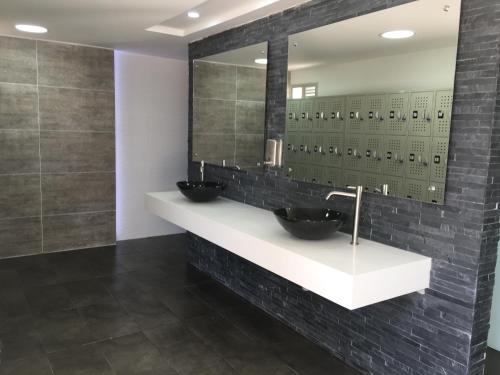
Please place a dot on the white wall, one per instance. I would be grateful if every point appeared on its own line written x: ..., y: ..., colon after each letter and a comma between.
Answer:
x: 494, y: 335
x: 151, y: 138
x: 430, y: 69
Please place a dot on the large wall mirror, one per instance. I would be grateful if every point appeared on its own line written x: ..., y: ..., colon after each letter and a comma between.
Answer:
x: 229, y: 107
x: 369, y: 100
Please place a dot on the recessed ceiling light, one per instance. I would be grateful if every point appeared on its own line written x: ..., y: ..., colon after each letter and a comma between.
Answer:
x: 193, y: 14
x: 31, y: 29
x: 261, y: 61
x: 398, y: 34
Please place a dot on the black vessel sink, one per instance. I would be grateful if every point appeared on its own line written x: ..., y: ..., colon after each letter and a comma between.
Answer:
x: 201, y: 191
x: 310, y: 223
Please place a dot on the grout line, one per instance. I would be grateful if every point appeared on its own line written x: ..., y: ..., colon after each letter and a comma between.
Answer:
x: 229, y: 100
x: 78, y: 88
x: 55, y: 173
x: 81, y: 213
x: 19, y: 217
x: 39, y: 143
x: 77, y: 131
x: 53, y: 87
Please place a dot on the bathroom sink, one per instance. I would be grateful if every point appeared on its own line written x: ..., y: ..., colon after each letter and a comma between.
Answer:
x: 310, y: 223
x: 201, y: 191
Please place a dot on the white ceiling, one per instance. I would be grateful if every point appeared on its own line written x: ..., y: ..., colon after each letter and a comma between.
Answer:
x: 122, y: 24
x: 359, y: 38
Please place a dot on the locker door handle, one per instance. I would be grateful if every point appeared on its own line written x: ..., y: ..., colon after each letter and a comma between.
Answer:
x: 339, y: 116
x: 432, y: 188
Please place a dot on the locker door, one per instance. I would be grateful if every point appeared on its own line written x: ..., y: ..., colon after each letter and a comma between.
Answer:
x: 306, y: 115
x: 439, y: 159
x: 421, y: 113
x: 394, y: 155
x: 376, y: 106
x: 395, y: 185
x: 356, y: 108
x: 416, y: 189
x: 334, y: 177
x: 371, y: 181
x: 372, y: 153
x: 353, y: 152
x: 338, y: 114
x: 334, y: 148
x: 319, y: 148
x: 300, y: 172
x: 293, y: 114
x: 435, y: 193
x: 397, y: 114
x: 322, y: 115
x: 442, y: 114
x: 292, y: 147
x: 352, y: 178
x: 417, y: 158
x: 316, y: 175
x: 300, y: 156
x: 308, y: 145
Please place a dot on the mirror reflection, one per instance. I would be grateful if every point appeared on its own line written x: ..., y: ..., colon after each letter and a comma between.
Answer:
x: 229, y: 93
x: 370, y: 101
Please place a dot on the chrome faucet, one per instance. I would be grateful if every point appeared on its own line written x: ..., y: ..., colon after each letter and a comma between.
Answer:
x: 202, y: 170
x: 357, y: 207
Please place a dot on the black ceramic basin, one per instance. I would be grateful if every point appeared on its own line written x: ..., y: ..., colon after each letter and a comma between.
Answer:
x: 310, y: 223
x: 201, y: 191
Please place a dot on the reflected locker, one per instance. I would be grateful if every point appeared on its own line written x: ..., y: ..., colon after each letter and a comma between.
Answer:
x: 376, y: 116
x: 397, y: 114
x: 421, y: 113
x: 356, y: 108
x: 442, y: 113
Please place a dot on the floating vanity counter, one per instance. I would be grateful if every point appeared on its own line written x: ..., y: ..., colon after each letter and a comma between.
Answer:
x: 352, y: 277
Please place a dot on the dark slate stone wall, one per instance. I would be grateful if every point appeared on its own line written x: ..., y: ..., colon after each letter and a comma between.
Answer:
x: 445, y: 330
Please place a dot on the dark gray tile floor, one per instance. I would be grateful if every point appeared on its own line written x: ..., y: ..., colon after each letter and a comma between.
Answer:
x: 138, y: 308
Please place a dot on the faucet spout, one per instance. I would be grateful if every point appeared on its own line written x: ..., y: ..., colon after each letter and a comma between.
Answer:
x: 202, y: 170
x: 357, y: 207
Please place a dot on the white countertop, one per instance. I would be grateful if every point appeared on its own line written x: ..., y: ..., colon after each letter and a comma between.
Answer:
x: 351, y: 276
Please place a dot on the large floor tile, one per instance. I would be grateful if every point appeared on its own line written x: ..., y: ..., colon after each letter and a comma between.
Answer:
x: 135, y: 354
x: 184, y: 304
x: 108, y: 320
x: 19, y: 338
x: 35, y: 365
x: 61, y: 330
x: 87, y: 292
x: 44, y: 299
x: 193, y: 357
x: 146, y: 310
x: 86, y: 360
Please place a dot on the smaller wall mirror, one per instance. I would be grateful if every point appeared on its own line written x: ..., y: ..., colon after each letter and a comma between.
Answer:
x: 373, y: 109
x: 229, y: 107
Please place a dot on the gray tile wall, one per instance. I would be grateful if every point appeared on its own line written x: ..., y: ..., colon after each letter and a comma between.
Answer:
x: 57, y: 167
x: 228, y: 114
x: 445, y: 330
